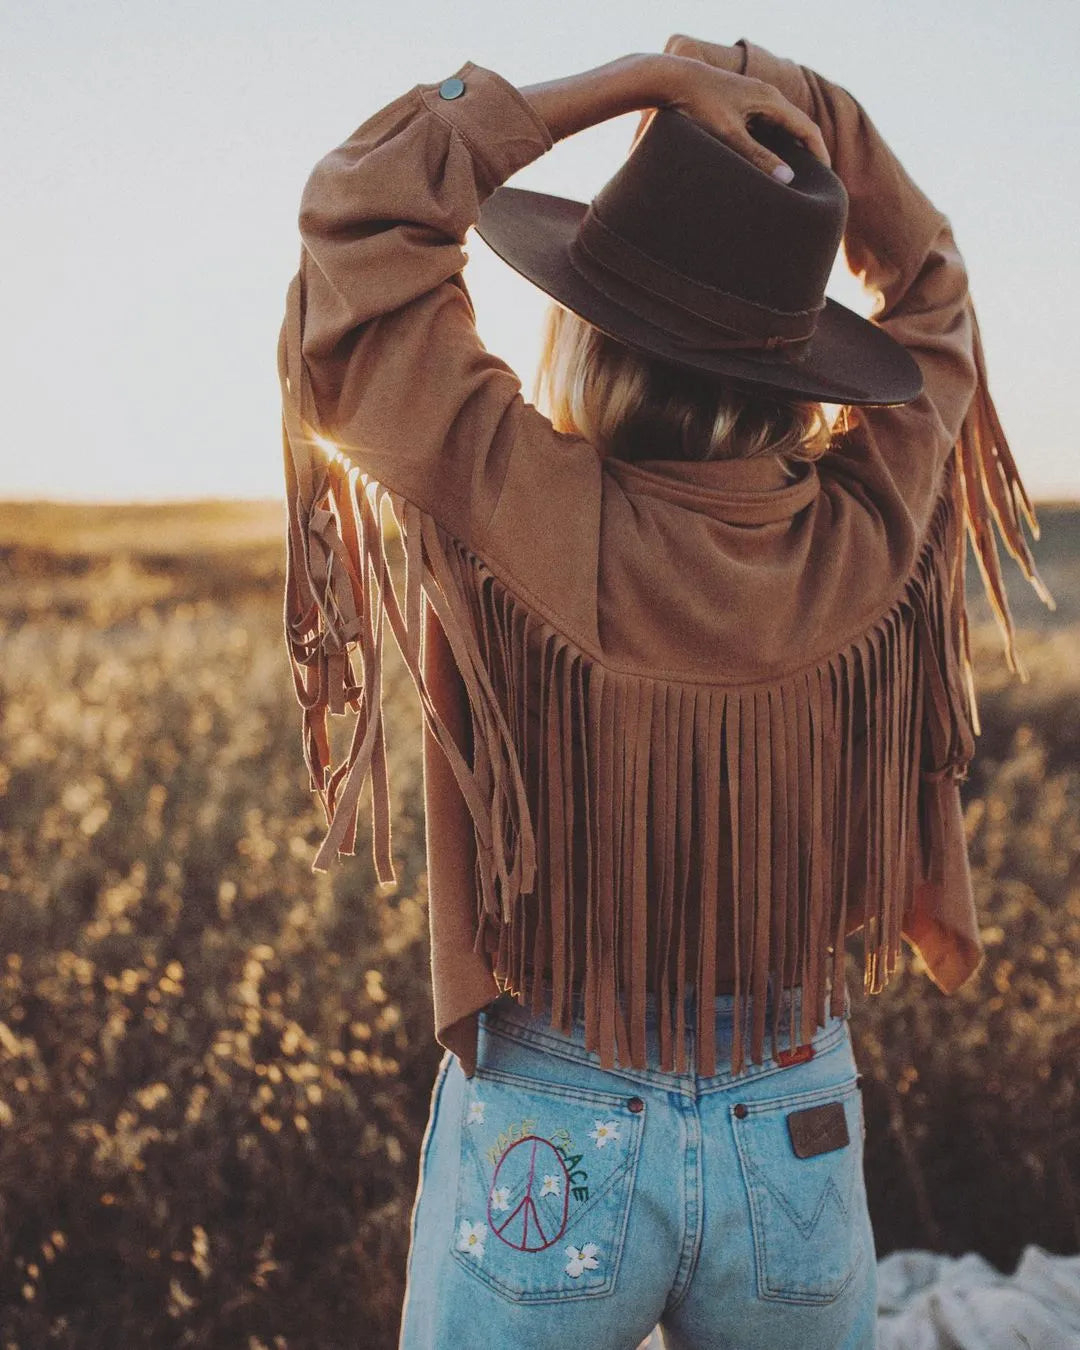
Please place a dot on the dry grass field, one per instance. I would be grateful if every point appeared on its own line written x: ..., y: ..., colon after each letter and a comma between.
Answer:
x: 215, y: 1065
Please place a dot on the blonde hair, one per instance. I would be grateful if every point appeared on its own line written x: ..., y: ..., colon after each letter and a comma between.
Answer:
x: 631, y: 405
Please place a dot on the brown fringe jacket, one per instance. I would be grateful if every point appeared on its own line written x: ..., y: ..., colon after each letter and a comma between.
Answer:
x: 669, y: 708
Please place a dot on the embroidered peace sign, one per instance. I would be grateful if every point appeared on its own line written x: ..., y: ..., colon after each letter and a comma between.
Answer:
x: 544, y: 1186
x: 529, y: 1200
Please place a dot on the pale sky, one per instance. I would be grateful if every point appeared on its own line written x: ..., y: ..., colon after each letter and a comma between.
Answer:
x: 152, y: 157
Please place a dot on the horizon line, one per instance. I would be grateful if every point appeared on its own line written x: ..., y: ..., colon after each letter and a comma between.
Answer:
x: 1053, y: 500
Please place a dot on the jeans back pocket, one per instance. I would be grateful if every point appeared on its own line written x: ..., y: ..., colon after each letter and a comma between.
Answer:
x: 809, y: 1213
x: 545, y: 1180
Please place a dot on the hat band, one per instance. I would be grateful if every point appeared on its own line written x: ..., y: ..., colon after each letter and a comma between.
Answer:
x: 696, y: 316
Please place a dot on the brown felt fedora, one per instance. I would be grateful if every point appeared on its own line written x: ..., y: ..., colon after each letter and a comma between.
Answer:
x: 695, y: 256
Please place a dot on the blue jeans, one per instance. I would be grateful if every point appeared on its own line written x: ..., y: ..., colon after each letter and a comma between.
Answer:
x: 560, y: 1204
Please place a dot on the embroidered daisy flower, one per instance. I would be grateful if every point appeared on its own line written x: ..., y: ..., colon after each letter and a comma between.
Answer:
x: 476, y: 1113
x: 585, y: 1259
x: 550, y: 1186
x: 471, y: 1238
x: 603, y: 1131
x: 500, y: 1197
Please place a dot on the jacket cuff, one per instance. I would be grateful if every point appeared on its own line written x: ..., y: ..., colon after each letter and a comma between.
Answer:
x: 502, y: 129
x: 761, y: 64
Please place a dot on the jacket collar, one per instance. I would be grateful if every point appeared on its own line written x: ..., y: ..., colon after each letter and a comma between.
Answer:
x: 746, y: 491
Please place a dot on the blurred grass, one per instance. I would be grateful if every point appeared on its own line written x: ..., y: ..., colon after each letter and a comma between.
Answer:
x: 215, y: 1065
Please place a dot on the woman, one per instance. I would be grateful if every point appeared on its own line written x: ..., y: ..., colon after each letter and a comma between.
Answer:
x: 693, y: 666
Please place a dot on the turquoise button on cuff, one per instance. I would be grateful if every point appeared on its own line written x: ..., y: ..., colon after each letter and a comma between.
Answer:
x: 452, y: 88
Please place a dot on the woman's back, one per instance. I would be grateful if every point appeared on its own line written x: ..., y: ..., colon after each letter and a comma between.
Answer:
x: 710, y: 624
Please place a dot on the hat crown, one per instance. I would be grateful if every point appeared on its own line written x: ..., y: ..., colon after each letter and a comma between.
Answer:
x: 694, y: 205
x: 694, y: 256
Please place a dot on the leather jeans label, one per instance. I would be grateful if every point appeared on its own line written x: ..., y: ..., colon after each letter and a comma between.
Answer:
x: 818, y: 1129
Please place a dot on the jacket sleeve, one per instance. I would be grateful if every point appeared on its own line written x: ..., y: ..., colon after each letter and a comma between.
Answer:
x: 394, y: 375
x: 902, y: 249
x: 389, y: 396
x: 942, y: 456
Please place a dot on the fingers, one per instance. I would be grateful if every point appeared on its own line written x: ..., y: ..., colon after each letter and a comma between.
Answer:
x: 805, y: 129
x: 774, y: 107
x: 743, y: 99
x: 677, y: 45
x: 740, y: 140
x: 773, y: 104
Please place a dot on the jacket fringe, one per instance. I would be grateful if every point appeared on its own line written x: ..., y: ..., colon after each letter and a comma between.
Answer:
x: 990, y: 485
x: 685, y: 794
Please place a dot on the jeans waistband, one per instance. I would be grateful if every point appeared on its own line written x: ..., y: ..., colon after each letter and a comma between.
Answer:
x: 513, y: 1018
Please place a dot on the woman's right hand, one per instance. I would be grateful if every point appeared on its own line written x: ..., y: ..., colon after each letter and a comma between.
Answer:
x: 722, y: 101
x: 704, y: 83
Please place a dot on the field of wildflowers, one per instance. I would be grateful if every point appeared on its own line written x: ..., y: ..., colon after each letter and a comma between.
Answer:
x: 215, y: 1065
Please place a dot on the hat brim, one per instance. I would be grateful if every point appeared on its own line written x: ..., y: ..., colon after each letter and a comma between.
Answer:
x: 849, y: 360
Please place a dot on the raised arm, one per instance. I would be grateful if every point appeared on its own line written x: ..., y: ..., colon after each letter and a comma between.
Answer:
x: 942, y: 456
x: 386, y: 384
x: 902, y: 248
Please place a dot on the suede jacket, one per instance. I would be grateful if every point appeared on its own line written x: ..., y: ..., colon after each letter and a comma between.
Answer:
x: 678, y: 716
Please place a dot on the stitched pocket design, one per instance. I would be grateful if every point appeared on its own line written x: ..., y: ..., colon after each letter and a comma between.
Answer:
x: 545, y: 1183
x: 810, y: 1221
